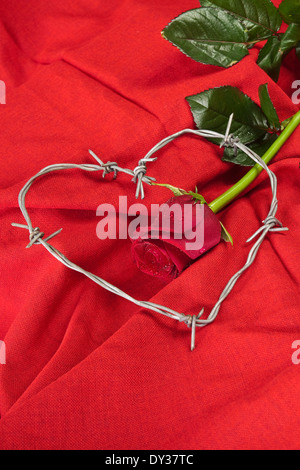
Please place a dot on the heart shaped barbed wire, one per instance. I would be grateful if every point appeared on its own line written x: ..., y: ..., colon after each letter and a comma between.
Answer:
x: 139, y: 177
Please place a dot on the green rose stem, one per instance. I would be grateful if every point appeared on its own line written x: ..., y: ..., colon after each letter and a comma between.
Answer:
x: 222, y: 201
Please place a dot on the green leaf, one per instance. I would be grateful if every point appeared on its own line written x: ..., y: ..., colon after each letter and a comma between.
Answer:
x: 175, y: 191
x: 285, y: 123
x: 268, y: 107
x: 290, y: 38
x: 290, y: 11
x: 270, y: 58
x: 259, y: 18
x: 260, y: 147
x: 198, y: 197
x: 182, y: 192
x: 225, y: 235
x: 212, y: 108
x: 209, y: 35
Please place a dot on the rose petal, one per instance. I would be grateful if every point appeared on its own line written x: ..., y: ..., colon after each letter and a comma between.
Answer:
x: 167, y: 258
x: 151, y: 258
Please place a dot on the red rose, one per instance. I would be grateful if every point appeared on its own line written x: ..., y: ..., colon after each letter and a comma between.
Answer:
x: 167, y: 258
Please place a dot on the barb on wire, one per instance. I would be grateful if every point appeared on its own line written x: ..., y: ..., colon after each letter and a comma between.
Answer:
x: 229, y: 139
x: 270, y: 224
x: 140, y: 176
x: 139, y: 172
x: 109, y: 167
x: 35, y: 234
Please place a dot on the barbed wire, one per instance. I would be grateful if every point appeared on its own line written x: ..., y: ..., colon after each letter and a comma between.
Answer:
x: 139, y: 177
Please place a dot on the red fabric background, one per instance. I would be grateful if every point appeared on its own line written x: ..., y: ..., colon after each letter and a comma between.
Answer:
x: 86, y: 369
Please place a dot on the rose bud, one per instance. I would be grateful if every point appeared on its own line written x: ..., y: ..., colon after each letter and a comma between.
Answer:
x: 166, y: 257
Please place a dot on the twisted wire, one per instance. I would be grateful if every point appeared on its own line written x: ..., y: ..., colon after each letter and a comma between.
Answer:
x: 270, y: 224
